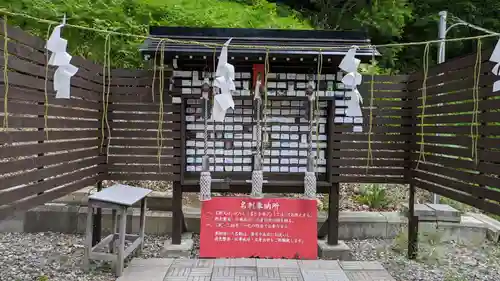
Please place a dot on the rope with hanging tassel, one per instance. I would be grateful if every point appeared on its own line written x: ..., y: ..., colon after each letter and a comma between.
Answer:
x: 5, y: 74
x: 266, y: 74
x: 105, y: 94
x: 475, y: 93
x: 46, y: 104
x: 213, y: 100
x: 108, y: 65
x: 316, y: 105
x: 159, y: 134
x: 154, y: 71
x: 421, y: 155
x: 369, y: 160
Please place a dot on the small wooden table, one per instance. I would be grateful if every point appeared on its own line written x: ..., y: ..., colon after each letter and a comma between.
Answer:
x: 119, y: 198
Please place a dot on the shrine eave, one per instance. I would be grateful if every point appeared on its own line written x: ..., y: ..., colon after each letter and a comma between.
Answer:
x: 290, y: 43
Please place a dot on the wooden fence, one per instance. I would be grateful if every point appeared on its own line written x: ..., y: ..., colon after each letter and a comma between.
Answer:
x: 52, y: 147
x: 37, y: 165
x: 454, y: 162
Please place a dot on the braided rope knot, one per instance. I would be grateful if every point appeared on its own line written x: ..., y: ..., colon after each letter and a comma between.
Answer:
x: 310, y: 185
x: 205, y: 186
x: 257, y: 182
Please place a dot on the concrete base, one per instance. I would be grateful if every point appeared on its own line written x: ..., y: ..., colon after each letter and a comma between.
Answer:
x: 334, y: 252
x: 352, y: 225
x: 492, y: 226
x: 434, y: 212
x: 182, y: 250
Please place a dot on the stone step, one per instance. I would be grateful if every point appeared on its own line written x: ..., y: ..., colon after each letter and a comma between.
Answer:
x: 434, y: 212
x: 493, y: 226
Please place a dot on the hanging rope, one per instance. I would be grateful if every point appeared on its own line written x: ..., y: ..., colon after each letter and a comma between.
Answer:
x: 159, y: 135
x: 421, y: 155
x: 106, y: 83
x: 213, y: 100
x: 46, y: 109
x: 154, y: 70
x: 369, y: 160
x: 5, y: 74
x: 266, y: 72
x: 474, y: 128
x: 316, y: 108
x: 192, y: 42
x: 108, y: 66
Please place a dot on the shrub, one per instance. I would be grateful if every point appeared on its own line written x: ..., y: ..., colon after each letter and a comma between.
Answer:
x: 374, y: 196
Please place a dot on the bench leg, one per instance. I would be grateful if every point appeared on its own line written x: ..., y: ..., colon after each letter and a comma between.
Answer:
x: 113, y: 230
x: 142, y: 226
x: 121, y: 242
x: 88, y: 238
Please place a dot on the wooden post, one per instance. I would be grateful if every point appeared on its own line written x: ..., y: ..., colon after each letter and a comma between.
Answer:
x: 97, y: 227
x: 177, y: 216
x: 334, y: 193
x: 113, y: 230
x: 142, y: 225
x: 333, y: 215
x: 121, y: 242
x: 412, y: 225
x: 88, y: 238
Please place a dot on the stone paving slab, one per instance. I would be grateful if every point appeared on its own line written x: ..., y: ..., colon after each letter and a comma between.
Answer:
x: 358, y: 265
x: 368, y: 276
x: 252, y: 270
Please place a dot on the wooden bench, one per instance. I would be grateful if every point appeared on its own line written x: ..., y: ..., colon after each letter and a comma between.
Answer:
x: 119, y: 198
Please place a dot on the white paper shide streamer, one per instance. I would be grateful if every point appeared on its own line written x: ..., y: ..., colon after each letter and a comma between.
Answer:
x: 223, y: 85
x: 495, y: 57
x: 351, y: 80
x: 60, y: 58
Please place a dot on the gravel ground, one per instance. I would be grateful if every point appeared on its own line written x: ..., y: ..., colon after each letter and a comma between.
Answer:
x: 441, y: 262
x: 57, y: 257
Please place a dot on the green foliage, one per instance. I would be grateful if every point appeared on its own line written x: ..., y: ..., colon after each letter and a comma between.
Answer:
x: 375, y: 68
x: 374, y: 196
x: 135, y: 16
x: 43, y: 278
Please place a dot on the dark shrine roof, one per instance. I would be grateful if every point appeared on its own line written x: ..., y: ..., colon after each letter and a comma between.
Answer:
x: 291, y: 42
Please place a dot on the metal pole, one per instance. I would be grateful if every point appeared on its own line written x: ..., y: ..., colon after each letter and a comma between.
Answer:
x: 442, y: 36
x: 440, y: 59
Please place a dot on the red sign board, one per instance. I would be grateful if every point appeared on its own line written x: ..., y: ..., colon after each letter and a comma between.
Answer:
x: 238, y: 227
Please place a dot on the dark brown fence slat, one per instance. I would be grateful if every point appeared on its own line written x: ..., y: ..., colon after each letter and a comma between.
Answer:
x: 27, y: 136
x: 23, y: 94
x: 47, y: 196
x: 40, y: 174
x: 167, y: 117
x: 143, y: 151
x: 144, y: 108
x: 28, y: 122
x: 36, y: 162
x: 144, y: 125
x: 374, y: 146
x: 12, y: 195
x: 364, y: 162
x: 165, y: 160
x: 143, y: 177
x: 368, y: 179
x: 33, y: 149
x: 36, y: 109
x: 167, y: 134
x: 480, y: 203
x: 144, y: 142
x: 162, y: 169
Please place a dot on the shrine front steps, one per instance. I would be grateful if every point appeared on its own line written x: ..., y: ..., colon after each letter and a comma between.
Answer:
x: 71, y: 219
